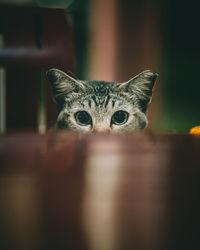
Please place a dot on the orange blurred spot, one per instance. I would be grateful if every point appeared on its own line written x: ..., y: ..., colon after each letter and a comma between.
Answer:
x: 195, y: 130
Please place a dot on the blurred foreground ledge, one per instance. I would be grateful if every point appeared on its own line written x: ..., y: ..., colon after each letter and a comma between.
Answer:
x: 70, y: 191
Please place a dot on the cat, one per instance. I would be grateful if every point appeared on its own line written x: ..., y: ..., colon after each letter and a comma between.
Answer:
x: 99, y: 106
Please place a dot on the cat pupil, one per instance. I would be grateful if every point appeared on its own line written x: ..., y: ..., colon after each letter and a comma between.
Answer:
x: 120, y: 117
x: 83, y: 118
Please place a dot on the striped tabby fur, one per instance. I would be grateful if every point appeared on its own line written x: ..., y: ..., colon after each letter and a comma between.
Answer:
x: 98, y: 106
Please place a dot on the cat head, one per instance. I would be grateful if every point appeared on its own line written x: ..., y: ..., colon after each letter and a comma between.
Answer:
x: 98, y: 106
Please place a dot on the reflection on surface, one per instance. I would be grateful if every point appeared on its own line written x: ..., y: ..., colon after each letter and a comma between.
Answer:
x: 102, y: 176
x: 125, y: 195
x: 106, y: 192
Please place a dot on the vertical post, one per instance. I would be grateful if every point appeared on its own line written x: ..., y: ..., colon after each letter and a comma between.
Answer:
x: 42, y: 121
x: 103, y: 40
x: 2, y: 93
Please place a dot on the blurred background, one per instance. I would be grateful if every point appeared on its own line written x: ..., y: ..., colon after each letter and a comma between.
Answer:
x: 109, y: 40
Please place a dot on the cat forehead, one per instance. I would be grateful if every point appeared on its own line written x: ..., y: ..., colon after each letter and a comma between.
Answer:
x: 100, y: 87
x: 101, y: 93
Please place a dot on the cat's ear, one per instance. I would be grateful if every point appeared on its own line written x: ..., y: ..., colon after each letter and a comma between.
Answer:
x: 63, y: 85
x: 142, y: 83
x: 141, y: 86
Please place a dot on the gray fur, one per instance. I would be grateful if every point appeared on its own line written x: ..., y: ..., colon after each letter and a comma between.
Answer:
x: 101, y: 100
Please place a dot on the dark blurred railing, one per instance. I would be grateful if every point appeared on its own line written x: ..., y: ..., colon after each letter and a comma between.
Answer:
x: 32, y: 40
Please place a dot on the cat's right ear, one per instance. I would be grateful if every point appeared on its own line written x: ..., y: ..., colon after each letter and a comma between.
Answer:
x: 63, y: 85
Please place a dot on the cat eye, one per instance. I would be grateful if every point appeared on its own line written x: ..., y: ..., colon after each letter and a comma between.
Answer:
x: 120, y: 117
x: 83, y: 118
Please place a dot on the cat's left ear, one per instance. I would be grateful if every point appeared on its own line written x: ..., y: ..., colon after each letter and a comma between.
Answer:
x: 63, y: 85
x: 141, y: 85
